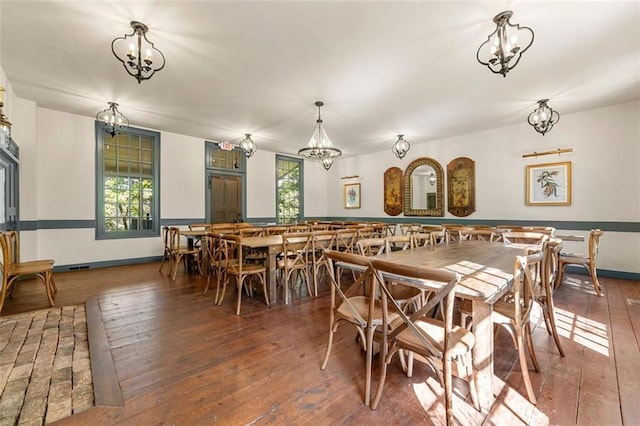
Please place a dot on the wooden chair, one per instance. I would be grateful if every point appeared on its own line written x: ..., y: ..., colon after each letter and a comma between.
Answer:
x: 400, y: 242
x: 544, y: 297
x: 477, y: 234
x: 320, y: 242
x: 296, y: 247
x: 371, y: 246
x: 423, y: 239
x: 236, y: 267
x: 215, y: 262
x: 199, y: 226
x: 298, y: 228
x: 357, y: 306
x: 275, y: 230
x: 588, y: 261
x: 523, y: 237
x: 436, y: 341
x: 167, y: 248
x: 13, y: 269
x: 409, y: 228
x: 179, y: 252
x: 513, y: 311
x: 346, y: 240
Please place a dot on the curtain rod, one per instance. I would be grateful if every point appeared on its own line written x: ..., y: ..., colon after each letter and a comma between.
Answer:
x: 555, y: 151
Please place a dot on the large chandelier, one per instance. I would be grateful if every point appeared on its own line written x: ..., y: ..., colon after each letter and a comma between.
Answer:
x: 543, y: 118
x: 320, y: 147
x: 502, y: 50
x: 248, y: 146
x: 401, y: 147
x: 112, y: 120
x: 138, y: 54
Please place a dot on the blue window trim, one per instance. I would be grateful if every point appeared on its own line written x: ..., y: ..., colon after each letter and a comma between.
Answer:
x: 143, y: 233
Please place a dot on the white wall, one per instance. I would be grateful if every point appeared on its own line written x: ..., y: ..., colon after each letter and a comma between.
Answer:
x: 606, y: 175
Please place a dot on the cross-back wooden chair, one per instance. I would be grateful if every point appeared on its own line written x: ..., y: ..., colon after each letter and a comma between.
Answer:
x: 544, y: 297
x: 524, y: 237
x: 346, y: 240
x: 481, y: 234
x: 400, y: 242
x: 296, y: 247
x: 371, y: 246
x: 587, y: 261
x: 215, y: 261
x: 199, y: 226
x: 13, y: 269
x: 236, y: 267
x: 275, y: 230
x: 513, y: 311
x: 356, y: 305
x: 423, y: 239
x: 320, y: 242
x: 166, y: 256
x: 435, y: 340
x: 181, y: 253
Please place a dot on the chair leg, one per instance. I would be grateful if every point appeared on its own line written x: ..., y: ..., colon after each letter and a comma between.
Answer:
x: 560, y: 275
x: 383, y: 376
x: 48, y: 287
x: 550, y: 318
x: 524, y: 367
x: 263, y: 278
x: 369, y: 361
x: 594, y: 278
x: 240, y: 282
x: 332, y: 329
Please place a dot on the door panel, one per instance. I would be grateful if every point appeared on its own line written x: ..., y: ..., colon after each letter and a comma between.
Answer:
x: 226, y: 198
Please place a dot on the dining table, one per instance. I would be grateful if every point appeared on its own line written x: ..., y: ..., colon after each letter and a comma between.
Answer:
x: 486, y: 271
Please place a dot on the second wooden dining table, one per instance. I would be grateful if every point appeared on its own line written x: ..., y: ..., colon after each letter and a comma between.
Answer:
x: 486, y: 270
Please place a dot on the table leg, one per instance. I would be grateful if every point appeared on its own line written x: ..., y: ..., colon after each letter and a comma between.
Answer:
x: 271, y: 277
x: 483, y: 352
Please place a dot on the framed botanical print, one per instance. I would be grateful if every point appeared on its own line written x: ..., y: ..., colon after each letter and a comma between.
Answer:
x: 461, y: 183
x: 352, y: 196
x: 549, y: 184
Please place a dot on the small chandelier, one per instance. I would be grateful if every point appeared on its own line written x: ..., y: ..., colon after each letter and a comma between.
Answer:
x: 501, y: 52
x: 401, y: 147
x: 112, y: 120
x: 320, y: 147
x: 248, y: 146
x: 543, y: 118
x: 137, y: 55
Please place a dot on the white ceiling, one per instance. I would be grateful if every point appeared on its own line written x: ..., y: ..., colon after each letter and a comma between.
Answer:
x: 381, y: 68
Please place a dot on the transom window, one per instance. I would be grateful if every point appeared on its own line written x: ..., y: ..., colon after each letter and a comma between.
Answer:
x: 127, y: 183
x: 289, y: 189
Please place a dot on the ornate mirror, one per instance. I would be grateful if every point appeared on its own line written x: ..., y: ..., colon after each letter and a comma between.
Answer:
x: 423, y: 188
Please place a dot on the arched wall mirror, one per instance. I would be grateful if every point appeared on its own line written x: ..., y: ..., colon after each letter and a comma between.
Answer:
x: 423, y: 188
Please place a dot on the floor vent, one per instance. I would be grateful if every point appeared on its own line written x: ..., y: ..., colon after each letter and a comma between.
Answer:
x: 78, y: 268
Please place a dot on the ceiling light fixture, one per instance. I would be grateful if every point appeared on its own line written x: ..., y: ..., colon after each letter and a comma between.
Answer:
x: 248, y: 146
x: 137, y: 54
x: 501, y: 52
x: 113, y: 121
x: 401, y: 147
x: 320, y: 147
x: 543, y: 118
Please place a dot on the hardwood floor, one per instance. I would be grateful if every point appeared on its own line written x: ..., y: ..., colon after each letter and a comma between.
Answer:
x: 182, y: 360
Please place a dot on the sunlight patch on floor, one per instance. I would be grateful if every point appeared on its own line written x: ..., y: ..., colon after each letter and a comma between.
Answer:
x: 584, y: 331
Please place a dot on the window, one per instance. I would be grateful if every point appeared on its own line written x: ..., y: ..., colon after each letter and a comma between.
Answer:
x: 127, y: 184
x: 289, y: 189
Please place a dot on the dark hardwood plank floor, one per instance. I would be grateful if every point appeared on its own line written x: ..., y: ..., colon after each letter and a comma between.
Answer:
x: 182, y: 360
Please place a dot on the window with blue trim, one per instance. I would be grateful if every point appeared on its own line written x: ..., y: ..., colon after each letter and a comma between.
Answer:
x: 289, y: 189
x: 127, y: 183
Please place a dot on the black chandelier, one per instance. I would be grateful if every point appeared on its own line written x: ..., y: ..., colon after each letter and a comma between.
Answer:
x: 112, y: 120
x: 502, y: 50
x: 138, y: 54
x: 248, y: 146
x: 401, y: 147
x: 320, y: 147
x: 543, y: 118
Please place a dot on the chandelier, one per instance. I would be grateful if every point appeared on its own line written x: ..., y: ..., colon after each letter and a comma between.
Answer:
x: 112, y: 120
x: 248, y: 146
x: 543, y: 118
x: 320, y: 147
x: 401, y: 147
x: 501, y: 52
x: 138, y: 53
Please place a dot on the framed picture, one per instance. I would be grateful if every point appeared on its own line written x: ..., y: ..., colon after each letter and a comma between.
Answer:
x: 352, y: 196
x: 393, y: 191
x: 549, y: 184
x: 461, y: 184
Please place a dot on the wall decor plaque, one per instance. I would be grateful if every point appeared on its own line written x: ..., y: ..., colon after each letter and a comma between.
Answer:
x: 461, y: 183
x: 393, y: 191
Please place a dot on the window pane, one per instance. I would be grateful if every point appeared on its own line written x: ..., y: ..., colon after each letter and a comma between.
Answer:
x: 289, y: 189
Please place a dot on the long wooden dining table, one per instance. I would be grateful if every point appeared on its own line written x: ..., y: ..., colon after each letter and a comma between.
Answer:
x: 486, y: 270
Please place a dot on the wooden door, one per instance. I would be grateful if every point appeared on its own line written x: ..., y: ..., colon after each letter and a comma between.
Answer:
x: 8, y: 194
x: 225, y: 198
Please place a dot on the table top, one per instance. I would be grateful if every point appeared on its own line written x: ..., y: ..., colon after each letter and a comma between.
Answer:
x: 486, y: 267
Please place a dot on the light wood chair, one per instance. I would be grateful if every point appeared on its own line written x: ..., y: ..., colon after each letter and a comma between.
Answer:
x: 167, y: 248
x: 296, y: 247
x: 371, y: 246
x: 298, y: 228
x: 400, y: 242
x: 513, y: 311
x: 346, y: 240
x: 588, y: 261
x: 236, y: 267
x: 320, y: 242
x: 275, y: 230
x: 524, y: 237
x: 447, y: 349
x: 251, y: 231
x: 544, y: 297
x: 180, y: 252
x: 481, y: 234
x: 423, y: 239
x: 215, y: 262
x: 357, y: 306
x: 13, y: 269
x: 199, y: 226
